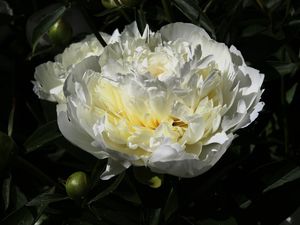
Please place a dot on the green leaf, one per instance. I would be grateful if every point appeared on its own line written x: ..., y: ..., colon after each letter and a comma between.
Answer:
x: 189, y: 8
x: 154, y: 217
x: 116, y: 211
x: 194, y: 13
x: 171, y: 205
x: 45, y: 24
x: 286, y: 68
x: 46, y: 198
x: 128, y: 192
x: 252, y: 30
x: 7, y: 147
x: 11, y: 119
x: 289, y: 96
x: 6, y: 189
x: 109, y: 189
x: 230, y: 221
x: 290, y: 176
x: 20, y: 216
x: 43, y: 135
x: 109, y: 11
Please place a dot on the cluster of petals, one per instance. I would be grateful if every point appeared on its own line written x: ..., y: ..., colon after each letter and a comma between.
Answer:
x: 169, y: 100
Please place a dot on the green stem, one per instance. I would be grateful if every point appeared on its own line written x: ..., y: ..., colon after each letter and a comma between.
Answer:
x: 91, y: 24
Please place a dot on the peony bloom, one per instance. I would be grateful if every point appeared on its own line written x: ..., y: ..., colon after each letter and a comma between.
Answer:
x: 171, y: 100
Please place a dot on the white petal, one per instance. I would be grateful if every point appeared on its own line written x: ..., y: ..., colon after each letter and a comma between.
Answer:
x: 76, y: 134
x: 219, y: 138
x: 183, y: 31
x: 113, y: 168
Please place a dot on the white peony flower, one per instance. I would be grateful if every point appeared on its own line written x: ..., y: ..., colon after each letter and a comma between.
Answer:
x: 171, y: 100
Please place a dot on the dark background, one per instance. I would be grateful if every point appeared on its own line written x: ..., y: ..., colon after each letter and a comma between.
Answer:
x: 255, y: 182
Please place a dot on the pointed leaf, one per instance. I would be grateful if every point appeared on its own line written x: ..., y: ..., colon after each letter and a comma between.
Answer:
x: 7, y: 147
x: 109, y: 189
x: 43, y: 135
x: 290, y: 176
x: 6, y: 188
x: 46, y: 198
x: 290, y: 93
x: 171, y: 205
x: 45, y: 24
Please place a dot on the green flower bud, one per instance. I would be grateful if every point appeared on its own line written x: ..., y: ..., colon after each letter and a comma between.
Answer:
x: 60, y: 33
x: 147, y: 177
x: 77, y: 185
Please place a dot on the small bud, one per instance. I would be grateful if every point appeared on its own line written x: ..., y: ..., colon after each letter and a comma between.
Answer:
x: 77, y: 185
x: 60, y: 33
x: 147, y: 177
x: 155, y: 182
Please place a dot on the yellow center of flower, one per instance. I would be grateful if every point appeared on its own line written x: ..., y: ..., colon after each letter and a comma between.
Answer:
x: 132, y: 120
x: 157, y: 64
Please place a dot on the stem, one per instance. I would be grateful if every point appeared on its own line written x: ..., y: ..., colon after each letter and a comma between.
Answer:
x: 91, y: 23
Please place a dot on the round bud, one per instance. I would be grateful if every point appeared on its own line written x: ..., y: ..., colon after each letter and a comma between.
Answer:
x: 77, y: 185
x: 147, y: 177
x: 60, y: 33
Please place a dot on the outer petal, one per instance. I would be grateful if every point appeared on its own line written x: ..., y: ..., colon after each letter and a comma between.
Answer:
x: 113, y: 168
x: 173, y: 160
x: 197, y: 36
x: 74, y: 133
x: 183, y: 31
x: 49, y: 82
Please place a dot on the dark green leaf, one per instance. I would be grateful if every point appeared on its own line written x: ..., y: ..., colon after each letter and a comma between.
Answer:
x: 6, y: 188
x: 230, y: 221
x: 194, y: 13
x: 115, y: 211
x: 109, y: 189
x: 45, y: 24
x: 11, y: 119
x: 171, y: 205
x: 43, y: 135
x: 154, y: 218
x: 22, y: 216
x: 252, y: 30
x: 7, y: 147
x: 286, y: 68
x: 109, y: 11
x: 18, y: 198
x: 47, y: 198
x: 290, y: 93
x: 189, y: 8
x: 290, y: 176
x: 127, y: 191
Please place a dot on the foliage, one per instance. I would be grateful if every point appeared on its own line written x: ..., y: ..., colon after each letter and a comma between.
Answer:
x: 256, y: 182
